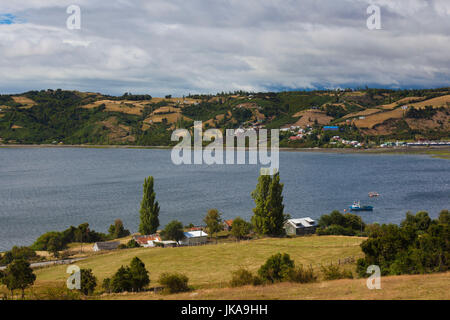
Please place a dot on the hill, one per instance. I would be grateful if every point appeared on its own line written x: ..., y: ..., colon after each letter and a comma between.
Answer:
x: 370, y: 115
x: 209, y: 270
x: 211, y: 265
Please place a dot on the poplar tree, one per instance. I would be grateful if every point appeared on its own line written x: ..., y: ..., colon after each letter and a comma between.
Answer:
x: 275, y: 208
x: 268, y: 218
x: 149, y: 212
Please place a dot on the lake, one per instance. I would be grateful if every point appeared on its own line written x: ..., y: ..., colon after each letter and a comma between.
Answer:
x: 45, y: 189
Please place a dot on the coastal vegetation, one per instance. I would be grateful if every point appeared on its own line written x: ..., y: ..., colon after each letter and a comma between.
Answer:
x: 366, y: 115
x: 343, y: 244
x: 419, y: 245
x: 337, y: 223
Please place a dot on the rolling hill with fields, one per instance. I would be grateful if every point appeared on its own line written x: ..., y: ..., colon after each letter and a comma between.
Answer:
x: 72, y: 117
x: 209, y: 269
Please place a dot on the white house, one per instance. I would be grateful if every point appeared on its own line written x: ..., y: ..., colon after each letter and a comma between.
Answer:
x: 300, y: 226
x: 193, y: 238
x: 147, y: 241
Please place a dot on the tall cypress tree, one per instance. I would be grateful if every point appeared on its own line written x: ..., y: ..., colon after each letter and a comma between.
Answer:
x: 268, y: 218
x: 149, y: 209
x: 275, y: 216
x: 260, y: 195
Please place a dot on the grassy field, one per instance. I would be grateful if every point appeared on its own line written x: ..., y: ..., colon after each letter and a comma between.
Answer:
x: 210, y: 266
x: 409, y: 287
x: 209, y: 270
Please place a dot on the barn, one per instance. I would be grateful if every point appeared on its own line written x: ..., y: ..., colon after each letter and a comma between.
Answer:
x: 300, y: 226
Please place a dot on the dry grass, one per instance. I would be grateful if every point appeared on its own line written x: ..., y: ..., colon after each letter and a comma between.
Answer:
x: 171, y: 118
x: 128, y: 107
x: 438, y: 102
x: 308, y: 117
x: 26, y: 102
x: 211, y: 265
x: 395, y: 104
x: 364, y: 113
x: 406, y: 287
x: 379, y: 118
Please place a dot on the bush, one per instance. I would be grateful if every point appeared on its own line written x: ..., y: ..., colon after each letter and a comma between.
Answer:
x: 276, y: 268
x: 106, y: 285
x: 301, y: 275
x: 58, y: 293
x: 88, y: 282
x: 243, y: 277
x: 117, y: 230
x: 333, y: 272
x: 17, y: 253
x: 130, y: 245
x: 130, y: 278
x: 174, y: 282
x: 419, y: 245
x: 240, y: 228
x: 337, y: 223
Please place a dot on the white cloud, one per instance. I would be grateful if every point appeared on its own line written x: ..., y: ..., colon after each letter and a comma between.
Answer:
x: 177, y: 47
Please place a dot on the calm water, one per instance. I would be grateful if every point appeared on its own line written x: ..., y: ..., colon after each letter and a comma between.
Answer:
x: 50, y: 189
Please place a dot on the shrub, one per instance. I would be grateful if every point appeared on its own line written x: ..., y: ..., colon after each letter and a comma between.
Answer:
x: 301, y: 275
x: 174, y: 282
x: 418, y: 245
x: 276, y: 268
x: 58, y: 293
x: 243, y: 277
x: 337, y: 223
x: 173, y: 231
x: 88, y: 281
x: 240, y: 228
x: 333, y: 272
x: 139, y: 275
x: 117, y: 230
x: 130, y: 245
x: 130, y: 278
x: 106, y: 285
x: 17, y: 253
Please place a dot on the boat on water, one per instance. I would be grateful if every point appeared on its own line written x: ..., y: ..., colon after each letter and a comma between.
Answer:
x: 374, y: 194
x: 356, y: 206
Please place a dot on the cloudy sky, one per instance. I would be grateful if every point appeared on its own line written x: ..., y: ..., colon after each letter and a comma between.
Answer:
x: 206, y: 46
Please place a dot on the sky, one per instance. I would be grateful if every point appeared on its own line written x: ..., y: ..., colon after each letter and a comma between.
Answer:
x: 178, y: 47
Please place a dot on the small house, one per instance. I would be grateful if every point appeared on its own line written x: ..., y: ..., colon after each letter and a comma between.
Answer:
x: 300, y: 226
x: 147, y: 241
x: 194, y: 238
x: 227, y: 224
x: 106, y: 246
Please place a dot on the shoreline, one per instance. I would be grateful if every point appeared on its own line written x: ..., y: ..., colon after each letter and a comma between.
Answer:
x: 398, y: 150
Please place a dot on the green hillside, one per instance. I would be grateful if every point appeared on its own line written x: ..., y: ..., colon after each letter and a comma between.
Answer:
x: 369, y: 116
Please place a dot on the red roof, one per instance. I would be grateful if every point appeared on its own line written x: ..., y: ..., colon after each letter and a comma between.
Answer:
x: 146, y: 239
x: 229, y: 222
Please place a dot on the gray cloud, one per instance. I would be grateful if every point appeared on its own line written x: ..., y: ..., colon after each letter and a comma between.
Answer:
x: 174, y: 46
